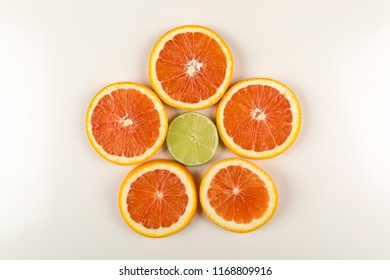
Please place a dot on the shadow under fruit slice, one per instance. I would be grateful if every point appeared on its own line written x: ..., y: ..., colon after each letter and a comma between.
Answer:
x: 158, y: 198
x: 192, y: 139
x: 126, y: 123
x: 258, y: 118
x: 237, y: 195
x: 190, y: 67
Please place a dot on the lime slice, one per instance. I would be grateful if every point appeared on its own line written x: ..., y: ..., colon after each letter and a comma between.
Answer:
x: 192, y: 139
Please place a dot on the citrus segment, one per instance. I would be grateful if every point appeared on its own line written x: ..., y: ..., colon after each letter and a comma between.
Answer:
x: 126, y: 123
x: 238, y: 195
x: 192, y: 139
x: 258, y: 118
x: 158, y: 198
x: 190, y: 67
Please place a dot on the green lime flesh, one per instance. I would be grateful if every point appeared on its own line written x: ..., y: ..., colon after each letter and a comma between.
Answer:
x: 192, y: 139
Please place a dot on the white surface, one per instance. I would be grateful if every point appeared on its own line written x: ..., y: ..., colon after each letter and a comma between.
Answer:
x: 58, y: 198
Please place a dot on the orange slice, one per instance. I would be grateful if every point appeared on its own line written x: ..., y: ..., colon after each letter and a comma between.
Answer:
x: 190, y: 67
x: 258, y: 118
x: 126, y: 123
x: 237, y: 195
x: 158, y: 198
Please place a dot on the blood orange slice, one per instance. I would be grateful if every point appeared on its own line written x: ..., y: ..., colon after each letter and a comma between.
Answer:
x: 190, y: 67
x: 237, y: 195
x: 158, y: 198
x: 258, y: 118
x: 126, y: 123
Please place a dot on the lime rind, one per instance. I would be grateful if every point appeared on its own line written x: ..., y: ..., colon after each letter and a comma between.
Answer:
x: 192, y: 139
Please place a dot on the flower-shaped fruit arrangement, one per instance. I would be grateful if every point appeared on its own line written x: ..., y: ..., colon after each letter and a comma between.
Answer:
x: 190, y: 68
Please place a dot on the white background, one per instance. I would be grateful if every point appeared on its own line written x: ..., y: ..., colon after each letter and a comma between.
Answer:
x: 58, y: 198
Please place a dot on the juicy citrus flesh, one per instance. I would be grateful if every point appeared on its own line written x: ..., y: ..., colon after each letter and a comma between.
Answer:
x: 192, y: 139
x: 258, y: 118
x: 190, y: 67
x: 126, y: 123
x: 158, y: 198
x: 237, y: 195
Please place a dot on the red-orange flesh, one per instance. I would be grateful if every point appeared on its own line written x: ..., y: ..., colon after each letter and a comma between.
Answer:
x: 184, y: 51
x: 258, y: 118
x: 125, y: 123
x: 237, y: 194
x: 157, y: 199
